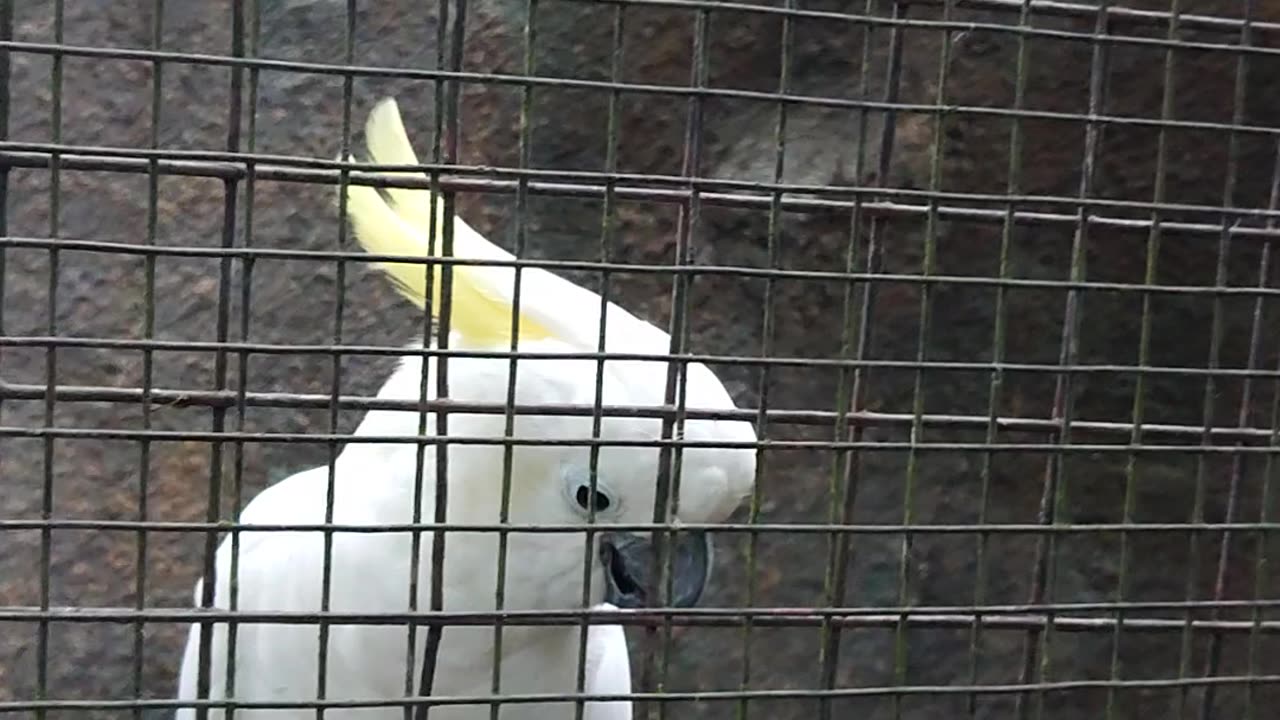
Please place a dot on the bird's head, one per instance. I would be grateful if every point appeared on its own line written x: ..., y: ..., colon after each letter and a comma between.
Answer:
x: 554, y: 477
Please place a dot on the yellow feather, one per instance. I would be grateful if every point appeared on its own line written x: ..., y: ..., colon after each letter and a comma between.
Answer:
x: 480, y: 311
x: 388, y: 144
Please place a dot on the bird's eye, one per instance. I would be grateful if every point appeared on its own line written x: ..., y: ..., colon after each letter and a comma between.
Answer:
x: 584, y: 497
x: 578, y: 493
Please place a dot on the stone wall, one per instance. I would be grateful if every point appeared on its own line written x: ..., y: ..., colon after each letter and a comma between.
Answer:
x: 108, y: 102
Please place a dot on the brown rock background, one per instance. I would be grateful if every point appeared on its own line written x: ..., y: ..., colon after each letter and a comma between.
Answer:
x: 107, y: 102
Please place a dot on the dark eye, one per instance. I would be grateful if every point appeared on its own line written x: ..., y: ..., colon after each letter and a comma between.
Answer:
x: 584, y: 498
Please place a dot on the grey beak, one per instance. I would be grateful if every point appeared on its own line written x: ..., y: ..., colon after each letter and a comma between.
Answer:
x: 629, y: 569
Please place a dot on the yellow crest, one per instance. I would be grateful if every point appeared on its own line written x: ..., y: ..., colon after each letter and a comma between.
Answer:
x: 399, y: 221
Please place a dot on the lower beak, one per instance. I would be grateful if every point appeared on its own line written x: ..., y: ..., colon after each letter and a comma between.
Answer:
x: 632, y: 575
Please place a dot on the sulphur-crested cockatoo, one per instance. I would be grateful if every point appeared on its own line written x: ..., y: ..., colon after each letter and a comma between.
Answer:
x: 374, y: 484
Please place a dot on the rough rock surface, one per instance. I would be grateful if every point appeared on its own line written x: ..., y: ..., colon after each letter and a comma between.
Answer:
x: 108, y: 102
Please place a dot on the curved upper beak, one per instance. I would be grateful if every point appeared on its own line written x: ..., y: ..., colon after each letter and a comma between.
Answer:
x: 629, y: 569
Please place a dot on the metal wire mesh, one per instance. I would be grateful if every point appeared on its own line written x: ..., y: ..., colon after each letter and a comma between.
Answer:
x: 991, y: 278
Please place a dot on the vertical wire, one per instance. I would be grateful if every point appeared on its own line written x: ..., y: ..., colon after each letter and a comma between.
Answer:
x: 995, y: 390
x: 668, y: 456
x: 847, y: 473
x: 508, y: 450
x: 607, y: 222
x: 414, y: 686
x: 431, y: 651
x: 246, y: 297
x: 6, y: 35
x: 900, y: 659
x: 430, y: 335
x: 677, y: 450
x: 219, y: 419
x: 51, y: 365
x: 1214, y: 656
x: 1053, y: 496
x: 666, y: 497
x: 1132, y: 473
x: 335, y: 370
x: 1260, y: 565
x: 843, y: 471
x: 1186, y: 650
x: 766, y: 345
x: 148, y: 358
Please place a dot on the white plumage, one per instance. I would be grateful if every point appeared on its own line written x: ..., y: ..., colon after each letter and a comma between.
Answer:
x: 375, y: 485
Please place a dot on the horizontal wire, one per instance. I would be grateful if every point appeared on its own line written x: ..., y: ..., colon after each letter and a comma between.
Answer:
x: 770, y: 444
x: 679, y: 91
x: 709, y: 617
x: 226, y: 398
x: 230, y: 169
x: 917, y: 23
x: 1116, y: 16
x: 668, y: 189
x: 125, y: 248
x: 665, y: 696
x: 875, y: 202
x: 660, y: 188
x: 11, y: 525
x: 417, y: 351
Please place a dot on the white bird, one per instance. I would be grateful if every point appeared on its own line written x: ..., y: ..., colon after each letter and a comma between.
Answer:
x: 550, y: 483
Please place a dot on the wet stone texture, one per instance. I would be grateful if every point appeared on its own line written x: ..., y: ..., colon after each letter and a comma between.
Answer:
x: 108, y: 102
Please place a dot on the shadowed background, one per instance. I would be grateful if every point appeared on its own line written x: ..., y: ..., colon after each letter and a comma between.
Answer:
x: 108, y: 102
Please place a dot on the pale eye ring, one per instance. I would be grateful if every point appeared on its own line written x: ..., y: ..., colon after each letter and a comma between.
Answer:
x: 577, y: 489
x: 585, y: 500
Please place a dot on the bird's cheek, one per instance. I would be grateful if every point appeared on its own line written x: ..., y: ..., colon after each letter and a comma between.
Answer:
x: 598, y: 587
x: 706, y: 497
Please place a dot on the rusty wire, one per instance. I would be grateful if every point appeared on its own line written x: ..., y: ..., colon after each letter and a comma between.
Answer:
x: 1059, y: 438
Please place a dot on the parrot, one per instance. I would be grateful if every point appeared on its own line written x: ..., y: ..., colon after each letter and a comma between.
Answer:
x: 550, y: 483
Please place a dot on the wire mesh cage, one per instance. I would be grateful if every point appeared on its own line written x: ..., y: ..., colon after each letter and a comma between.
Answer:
x: 990, y: 281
